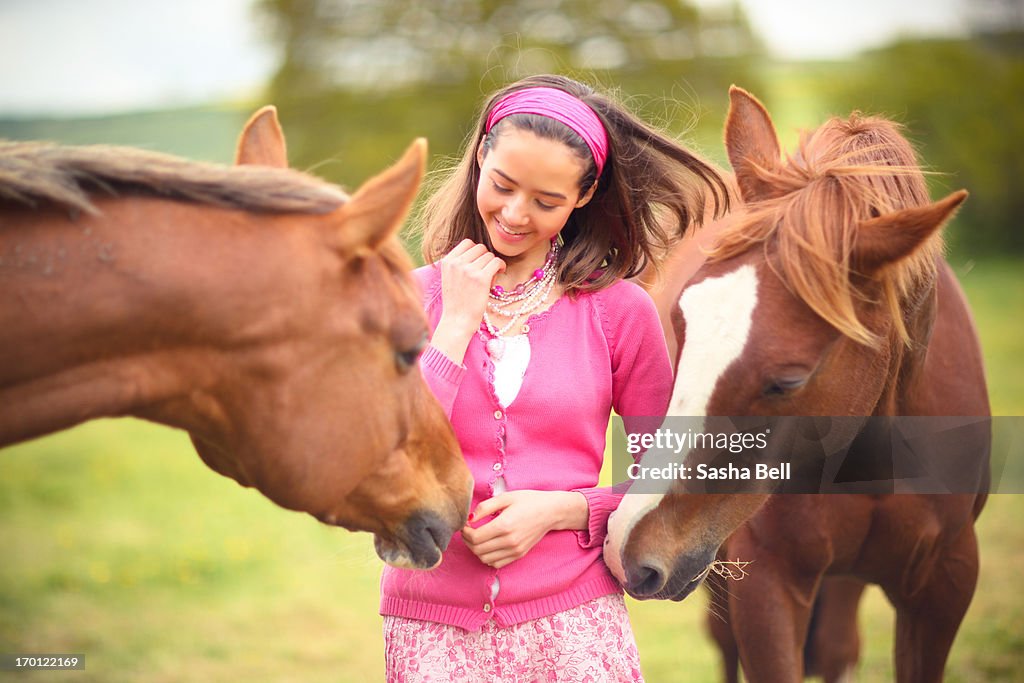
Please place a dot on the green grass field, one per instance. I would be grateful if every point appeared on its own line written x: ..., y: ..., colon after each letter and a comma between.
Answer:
x: 118, y: 543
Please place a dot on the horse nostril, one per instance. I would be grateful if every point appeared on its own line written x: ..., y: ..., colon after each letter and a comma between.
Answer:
x: 646, y: 580
x: 428, y: 536
x: 438, y: 531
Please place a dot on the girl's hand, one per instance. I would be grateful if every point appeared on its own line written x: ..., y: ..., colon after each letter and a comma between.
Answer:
x: 467, y: 273
x: 525, y: 516
x: 466, y: 276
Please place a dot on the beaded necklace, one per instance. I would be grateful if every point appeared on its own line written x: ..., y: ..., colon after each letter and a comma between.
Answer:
x: 530, y: 296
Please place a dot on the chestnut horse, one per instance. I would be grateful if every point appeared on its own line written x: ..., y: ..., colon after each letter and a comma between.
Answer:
x: 260, y: 309
x: 824, y: 294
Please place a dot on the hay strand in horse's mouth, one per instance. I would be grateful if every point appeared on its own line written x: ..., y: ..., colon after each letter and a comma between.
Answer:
x: 731, y: 569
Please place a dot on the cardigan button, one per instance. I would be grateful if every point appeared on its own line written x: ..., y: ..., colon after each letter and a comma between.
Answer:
x: 487, y: 608
x: 497, y: 414
x: 497, y: 466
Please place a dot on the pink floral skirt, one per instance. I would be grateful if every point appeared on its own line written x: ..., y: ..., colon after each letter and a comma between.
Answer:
x: 592, y: 642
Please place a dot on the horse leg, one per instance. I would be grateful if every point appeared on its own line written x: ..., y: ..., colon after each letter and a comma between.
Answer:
x: 928, y: 619
x: 770, y: 610
x: 833, y: 641
x: 720, y: 626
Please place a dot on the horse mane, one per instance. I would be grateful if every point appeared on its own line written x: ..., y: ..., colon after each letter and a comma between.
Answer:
x: 845, y: 172
x: 34, y: 172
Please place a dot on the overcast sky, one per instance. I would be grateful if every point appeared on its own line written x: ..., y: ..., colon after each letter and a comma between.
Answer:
x: 71, y: 57
x: 811, y: 29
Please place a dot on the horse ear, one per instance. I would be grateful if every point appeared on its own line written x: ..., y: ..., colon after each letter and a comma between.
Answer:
x: 751, y: 142
x: 262, y: 142
x: 895, y: 235
x: 378, y: 208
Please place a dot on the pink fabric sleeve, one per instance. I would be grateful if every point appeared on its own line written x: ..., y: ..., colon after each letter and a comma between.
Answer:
x: 442, y: 376
x: 601, y: 503
x: 641, y: 385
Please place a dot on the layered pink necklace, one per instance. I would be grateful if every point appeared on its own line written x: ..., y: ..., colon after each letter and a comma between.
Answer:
x: 523, y: 300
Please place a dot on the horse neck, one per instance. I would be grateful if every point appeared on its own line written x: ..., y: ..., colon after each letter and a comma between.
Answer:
x: 118, y: 313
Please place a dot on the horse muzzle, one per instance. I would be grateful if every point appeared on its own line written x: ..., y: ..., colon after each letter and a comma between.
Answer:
x: 650, y: 579
x: 418, y: 542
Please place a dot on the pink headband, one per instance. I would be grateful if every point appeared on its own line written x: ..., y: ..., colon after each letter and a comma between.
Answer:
x: 558, y: 105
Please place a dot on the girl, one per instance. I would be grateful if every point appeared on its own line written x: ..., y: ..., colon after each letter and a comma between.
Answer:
x: 561, y: 193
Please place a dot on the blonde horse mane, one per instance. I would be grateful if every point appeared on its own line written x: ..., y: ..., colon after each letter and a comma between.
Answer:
x: 35, y: 172
x: 845, y: 172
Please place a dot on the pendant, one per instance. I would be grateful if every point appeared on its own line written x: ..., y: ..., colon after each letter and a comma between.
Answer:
x: 495, y: 348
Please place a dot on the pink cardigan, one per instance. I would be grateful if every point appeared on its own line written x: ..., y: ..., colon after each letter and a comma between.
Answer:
x: 600, y: 351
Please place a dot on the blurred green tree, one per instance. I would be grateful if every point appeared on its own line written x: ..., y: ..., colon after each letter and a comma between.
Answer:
x: 961, y: 102
x: 359, y: 79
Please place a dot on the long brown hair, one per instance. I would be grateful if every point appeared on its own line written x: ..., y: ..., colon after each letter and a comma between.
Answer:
x: 650, y: 191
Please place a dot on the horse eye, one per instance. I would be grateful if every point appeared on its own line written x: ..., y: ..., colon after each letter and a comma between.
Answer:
x: 407, y: 358
x: 782, y: 386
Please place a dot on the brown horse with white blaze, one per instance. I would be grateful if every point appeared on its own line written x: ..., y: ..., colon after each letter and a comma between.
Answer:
x: 824, y: 294
x: 260, y: 309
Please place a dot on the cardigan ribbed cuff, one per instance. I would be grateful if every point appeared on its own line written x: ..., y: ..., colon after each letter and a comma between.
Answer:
x: 441, y: 365
x: 601, y: 503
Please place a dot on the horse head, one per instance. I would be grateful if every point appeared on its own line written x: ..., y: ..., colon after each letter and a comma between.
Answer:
x: 815, y: 299
x: 329, y: 413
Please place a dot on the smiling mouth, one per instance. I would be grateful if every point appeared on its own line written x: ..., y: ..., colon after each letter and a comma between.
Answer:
x: 508, y: 231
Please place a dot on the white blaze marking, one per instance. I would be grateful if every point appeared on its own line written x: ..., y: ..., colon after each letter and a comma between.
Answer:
x: 718, y: 314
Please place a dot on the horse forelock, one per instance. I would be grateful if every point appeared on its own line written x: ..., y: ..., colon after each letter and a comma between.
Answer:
x: 37, y: 172
x: 847, y: 171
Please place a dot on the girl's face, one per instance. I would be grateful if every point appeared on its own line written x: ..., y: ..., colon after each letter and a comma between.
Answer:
x: 528, y: 187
